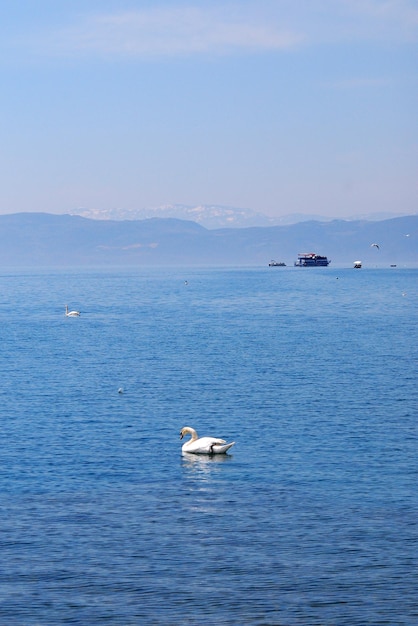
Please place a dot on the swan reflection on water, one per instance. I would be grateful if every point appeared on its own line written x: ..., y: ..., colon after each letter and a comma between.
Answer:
x: 203, y: 463
x: 201, y: 459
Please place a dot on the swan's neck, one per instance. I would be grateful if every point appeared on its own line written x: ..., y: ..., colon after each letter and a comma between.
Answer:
x: 193, y: 434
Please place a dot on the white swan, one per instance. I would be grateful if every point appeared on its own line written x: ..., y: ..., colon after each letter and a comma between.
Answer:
x: 204, y: 445
x: 71, y: 313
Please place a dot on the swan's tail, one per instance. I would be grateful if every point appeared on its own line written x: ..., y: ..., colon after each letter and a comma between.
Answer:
x: 221, y: 449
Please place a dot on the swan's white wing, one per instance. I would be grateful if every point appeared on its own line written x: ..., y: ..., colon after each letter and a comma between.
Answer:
x: 210, y: 440
x: 221, y: 449
x: 206, y: 445
x: 202, y: 445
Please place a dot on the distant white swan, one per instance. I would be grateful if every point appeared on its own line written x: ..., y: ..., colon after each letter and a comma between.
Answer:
x: 204, y: 445
x: 71, y: 313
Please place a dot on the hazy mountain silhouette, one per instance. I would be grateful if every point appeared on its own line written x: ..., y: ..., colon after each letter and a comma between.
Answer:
x: 41, y: 239
x: 215, y: 216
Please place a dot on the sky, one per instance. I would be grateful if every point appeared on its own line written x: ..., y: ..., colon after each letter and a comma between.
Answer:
x: 273, y: 105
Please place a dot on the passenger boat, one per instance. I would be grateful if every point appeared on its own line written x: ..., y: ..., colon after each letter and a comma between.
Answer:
x: 310, y: 259
x: 277, y: 264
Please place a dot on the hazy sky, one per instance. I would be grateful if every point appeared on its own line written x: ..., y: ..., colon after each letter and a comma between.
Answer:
x: 280, y: 106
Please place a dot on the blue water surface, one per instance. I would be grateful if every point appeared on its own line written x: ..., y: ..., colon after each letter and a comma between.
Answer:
x: 312, y: 518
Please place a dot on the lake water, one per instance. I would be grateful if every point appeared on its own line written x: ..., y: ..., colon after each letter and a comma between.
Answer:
x: 313, y: 517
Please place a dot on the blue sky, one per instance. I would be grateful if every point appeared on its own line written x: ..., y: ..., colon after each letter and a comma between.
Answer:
x: 273, y: 105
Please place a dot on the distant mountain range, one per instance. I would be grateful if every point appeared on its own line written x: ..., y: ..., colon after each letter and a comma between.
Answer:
x: 42, y: 239
x: 216, y: 216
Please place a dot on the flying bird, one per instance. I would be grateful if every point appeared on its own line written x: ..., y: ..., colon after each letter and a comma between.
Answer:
x: 375, y: 245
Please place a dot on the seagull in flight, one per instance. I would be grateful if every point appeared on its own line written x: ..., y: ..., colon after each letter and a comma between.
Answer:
x: 375, y: 245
